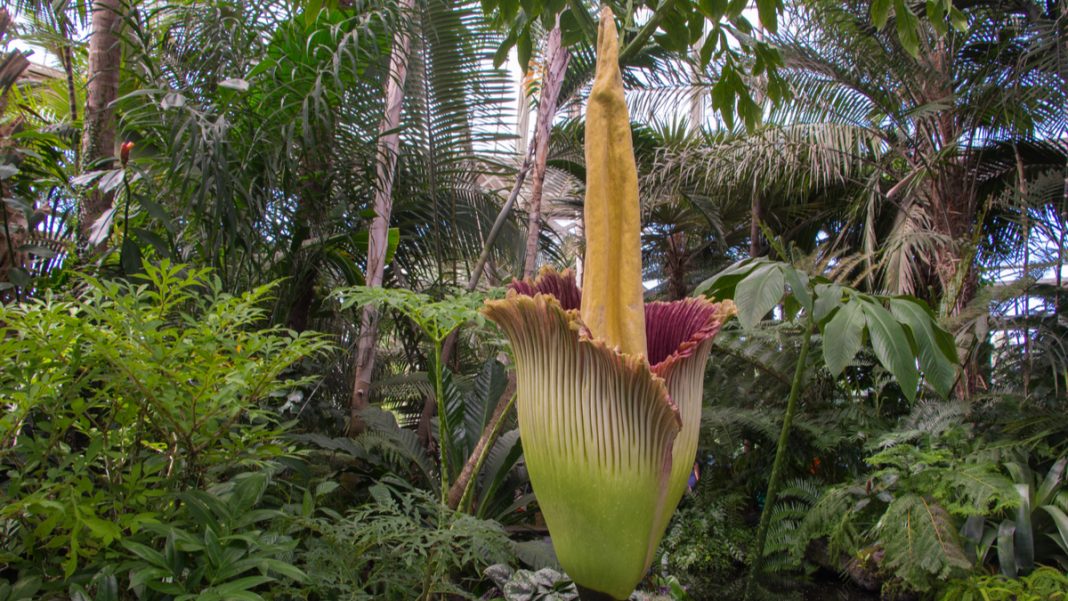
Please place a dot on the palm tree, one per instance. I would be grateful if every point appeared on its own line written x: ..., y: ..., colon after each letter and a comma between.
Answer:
x: 907, y: 134
x: 98, y: 126
x: 378, y: 240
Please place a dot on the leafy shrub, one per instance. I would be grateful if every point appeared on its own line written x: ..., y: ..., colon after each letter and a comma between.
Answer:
x: 1035, y: 531
x: 405, y: 545
x: 705, y: 544
x: 927, y: 479
x: 216, y: 548
x: 1044, y: 584
x: 118, y: 397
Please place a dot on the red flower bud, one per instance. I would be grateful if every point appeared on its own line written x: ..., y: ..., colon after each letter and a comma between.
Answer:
x: 124, y: 152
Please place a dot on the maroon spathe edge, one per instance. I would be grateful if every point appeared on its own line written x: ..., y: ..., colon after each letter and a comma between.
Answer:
x: 673, y: 330
x: 560, y: 285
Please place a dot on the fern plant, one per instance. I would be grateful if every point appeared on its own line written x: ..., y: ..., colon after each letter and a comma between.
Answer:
x: 926, y: 480
x: 403, y: 545
x: 1044, y: 584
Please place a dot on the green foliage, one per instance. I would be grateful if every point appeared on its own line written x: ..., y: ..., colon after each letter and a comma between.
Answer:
x: 126, y: 393
x: 720, y: 29
x: 784, y: 532
x: 404, y: 545
x: 436, y: 318
x: 924, y: 483
x: 1036, y: 531
x: 919, y: 540
x: 464, y: 408
x: 1044, y: 584
x: 901, y: 329
x: 705, y: 544
x: 215, y: 548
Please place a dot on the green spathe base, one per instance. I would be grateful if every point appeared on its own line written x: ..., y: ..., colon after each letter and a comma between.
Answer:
x: 586, y: 594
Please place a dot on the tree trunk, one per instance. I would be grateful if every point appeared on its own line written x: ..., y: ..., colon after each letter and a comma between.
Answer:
x: 378, y: 241
x: 98, y: 129
x: 556, y: 59
x: 676, y: 260
x: 13, y: 225
x: 489, y: 436
x: 756, y: 216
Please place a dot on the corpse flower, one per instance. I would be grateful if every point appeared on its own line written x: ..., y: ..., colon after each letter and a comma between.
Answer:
x: 609, y: 388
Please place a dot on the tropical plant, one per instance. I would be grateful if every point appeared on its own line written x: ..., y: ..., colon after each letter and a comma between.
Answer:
x: 217, y: 546
x: 928, y: 477
x: 403, y: 545
x: 909, y: 134
x: 686, y: 553
x: 34, y: 164
x: 903, y: 337
x: 1044, y: 584
x: 1036, y: 532
x: 607, y: 485
x: 123, y: 394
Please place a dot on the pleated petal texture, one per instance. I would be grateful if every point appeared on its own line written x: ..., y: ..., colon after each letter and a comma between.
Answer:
x: 560, y: 284
x: 680, y: 337
x: 598, y: 428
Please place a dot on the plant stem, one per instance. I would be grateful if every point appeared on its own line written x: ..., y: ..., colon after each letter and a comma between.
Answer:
x: 780, y: 458
x: 494, y: 433
x: 439, y: 392
x: 638, y: 41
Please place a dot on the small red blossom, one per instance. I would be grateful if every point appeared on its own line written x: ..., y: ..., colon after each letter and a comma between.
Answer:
x: 124, y: 152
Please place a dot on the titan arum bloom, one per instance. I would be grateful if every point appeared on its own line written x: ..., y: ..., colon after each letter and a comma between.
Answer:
x: 609, y: 388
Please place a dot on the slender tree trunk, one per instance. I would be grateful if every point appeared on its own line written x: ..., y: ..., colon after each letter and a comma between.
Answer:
x: 378, y: 241
x: 556, y: 59
x: 1025, y: 212
x: 756, y: 215
x: 67, y: 58
x: 676, y: 260
x: 13, y: 224
x: 490, y: 434
x: 98, y: 129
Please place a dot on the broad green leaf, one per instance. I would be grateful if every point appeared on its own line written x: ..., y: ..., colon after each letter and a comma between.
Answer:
x: 130, y: 256
x: 146, y: 553
x: 213, y: 548
x: 768, y: 11
x: 723, y: 285
x: 1051, y: 482
x: 758, y: 294
x: 25, y: 588
x: 285, y: 569
x: 828, y: 298
x: 326, y: 487
x: 940, y: 370
x: 1006, y: 550
x: 798, y: 281
x: 908, y: 26
x: 1024, y: 539
x: 241, y: 584
x: 1060, y: 520
x: 843, y: 337
x: 104, y: 530
x: 20, y: 277
x: 936, y: 16
x: 891, y: 347
x: 880, y: 12
x: 958, y: 19
x: 713, y: 9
